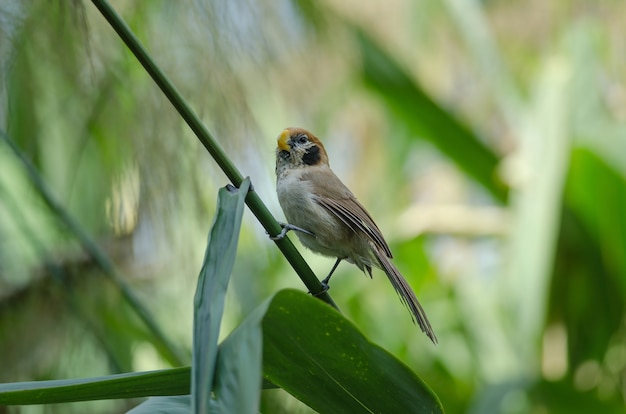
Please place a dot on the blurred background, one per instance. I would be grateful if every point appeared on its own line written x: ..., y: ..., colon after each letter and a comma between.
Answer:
x: 487, y: 139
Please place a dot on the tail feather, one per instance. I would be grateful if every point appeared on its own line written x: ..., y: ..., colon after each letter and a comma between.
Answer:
x: 406, y: 295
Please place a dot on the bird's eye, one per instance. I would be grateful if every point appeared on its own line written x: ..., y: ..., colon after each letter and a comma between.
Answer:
x: 302, y: 139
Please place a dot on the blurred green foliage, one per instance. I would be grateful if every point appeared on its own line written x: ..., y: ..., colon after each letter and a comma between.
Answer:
x: 489, y: 146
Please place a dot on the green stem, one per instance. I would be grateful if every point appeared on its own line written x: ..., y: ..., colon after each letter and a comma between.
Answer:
x: 253, y: 201
x: 57, y: 273
x: 166, y: 348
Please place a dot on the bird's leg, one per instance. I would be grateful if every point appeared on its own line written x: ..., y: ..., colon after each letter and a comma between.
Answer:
x: 326, y: 280
x: 286, y: 227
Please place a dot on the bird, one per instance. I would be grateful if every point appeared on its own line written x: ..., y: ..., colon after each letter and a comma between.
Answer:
x: 329, y: 220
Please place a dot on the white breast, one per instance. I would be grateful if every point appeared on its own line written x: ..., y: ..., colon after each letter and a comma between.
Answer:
x: 297, y: 199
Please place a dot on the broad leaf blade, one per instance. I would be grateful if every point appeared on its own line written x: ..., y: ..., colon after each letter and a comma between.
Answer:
x: 164, y: 405
x: 597, y: 193
x: 318, y: 356
x: 133, y: 385
x: 238, y: 378
x: 308, y: 349
x: 211, y: 291
x: 593, y: 242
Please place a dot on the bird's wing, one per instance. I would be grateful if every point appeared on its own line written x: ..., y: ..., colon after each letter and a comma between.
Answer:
x: 354, y: 215
x: 340, y: 202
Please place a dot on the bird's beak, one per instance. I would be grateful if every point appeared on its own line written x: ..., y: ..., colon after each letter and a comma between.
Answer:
x: 282, y: 141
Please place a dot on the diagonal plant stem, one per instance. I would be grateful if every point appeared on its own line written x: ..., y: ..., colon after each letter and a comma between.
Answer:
x: 57, y: 273
x: 166, y: 348
x: 253, y: 200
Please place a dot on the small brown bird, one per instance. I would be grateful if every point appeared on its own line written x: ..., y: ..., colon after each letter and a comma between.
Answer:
x: 327, y: 217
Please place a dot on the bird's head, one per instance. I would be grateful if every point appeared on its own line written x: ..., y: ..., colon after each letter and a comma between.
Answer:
x: 298, y: 148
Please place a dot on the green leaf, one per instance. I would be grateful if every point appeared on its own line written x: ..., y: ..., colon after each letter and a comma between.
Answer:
x: 211, y: 290
x: 165, y: 347
x: 588, y: 291
x: 426, y: 119
x: 237, y: 386
x: 137, y: 384
x: 597, y: 193
x: 308, y: 348
x: 318, y: 356
x: 164, y: 405
x: 561, y: 397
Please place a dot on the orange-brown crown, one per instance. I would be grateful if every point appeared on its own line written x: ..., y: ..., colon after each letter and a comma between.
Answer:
x: 288, y: 139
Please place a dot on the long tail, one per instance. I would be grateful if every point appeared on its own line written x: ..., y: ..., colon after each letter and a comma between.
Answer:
x: 406, y: 295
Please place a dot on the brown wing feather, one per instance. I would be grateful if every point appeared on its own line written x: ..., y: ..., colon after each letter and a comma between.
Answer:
x: 352, y: 213
x: 339, y: 201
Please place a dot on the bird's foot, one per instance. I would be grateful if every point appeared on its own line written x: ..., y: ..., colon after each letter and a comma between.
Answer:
x: 286, y: 227
x: 326, y: 281
x: 325, y: 287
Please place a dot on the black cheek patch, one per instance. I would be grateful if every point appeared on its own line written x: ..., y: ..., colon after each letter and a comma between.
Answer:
x: 312, y: 155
